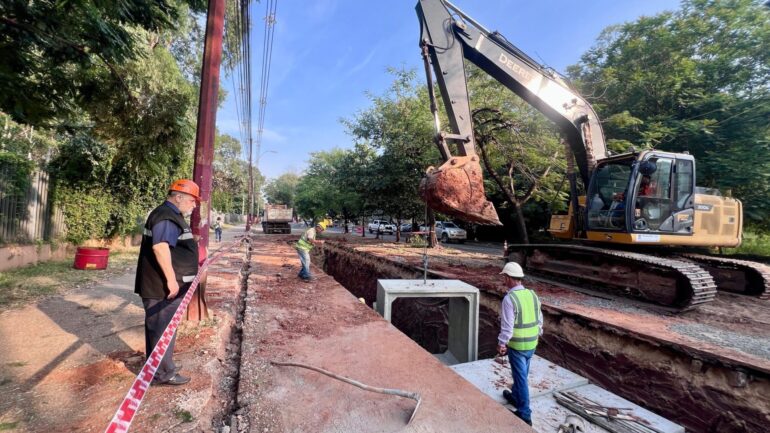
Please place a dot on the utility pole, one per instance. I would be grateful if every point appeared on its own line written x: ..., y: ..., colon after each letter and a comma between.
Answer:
x: 251, y: 188
x: 204, y: 141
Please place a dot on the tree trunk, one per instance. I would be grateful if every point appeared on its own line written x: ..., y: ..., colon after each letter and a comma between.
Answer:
x: 432, y: 241
x: 398, y: 229
x: 521, y: 226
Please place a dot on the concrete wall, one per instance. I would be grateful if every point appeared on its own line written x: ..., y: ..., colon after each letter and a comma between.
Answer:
x: 16, y: 256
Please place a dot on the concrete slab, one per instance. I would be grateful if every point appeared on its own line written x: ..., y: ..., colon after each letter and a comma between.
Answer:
x: 545, y: 378
x: 492, y: 377
x: 463, y: 340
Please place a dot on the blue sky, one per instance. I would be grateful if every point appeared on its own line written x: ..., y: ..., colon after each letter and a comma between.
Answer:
x: 328, y: 53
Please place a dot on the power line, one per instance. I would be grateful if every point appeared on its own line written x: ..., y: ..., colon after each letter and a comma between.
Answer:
x: 267, y: 55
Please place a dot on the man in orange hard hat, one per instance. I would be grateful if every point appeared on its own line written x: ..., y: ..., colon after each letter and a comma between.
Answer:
x: 168, y: 263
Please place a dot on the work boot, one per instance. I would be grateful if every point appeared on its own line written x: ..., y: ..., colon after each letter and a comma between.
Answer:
x: 528, y: 421
x: 509, y: 397
x: 176, y: 380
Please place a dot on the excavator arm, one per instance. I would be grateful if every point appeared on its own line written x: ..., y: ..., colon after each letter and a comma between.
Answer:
x: 447, y: 37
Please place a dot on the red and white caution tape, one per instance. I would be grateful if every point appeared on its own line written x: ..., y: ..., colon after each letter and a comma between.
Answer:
x: 123, y: 417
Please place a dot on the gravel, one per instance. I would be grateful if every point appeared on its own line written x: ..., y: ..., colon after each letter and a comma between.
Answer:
x: 756, y: 346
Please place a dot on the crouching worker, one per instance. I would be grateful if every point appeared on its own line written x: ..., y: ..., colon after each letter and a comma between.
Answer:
x: 304, y: 245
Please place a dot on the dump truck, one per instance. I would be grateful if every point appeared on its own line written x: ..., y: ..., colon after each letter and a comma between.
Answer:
x: 277, y: 219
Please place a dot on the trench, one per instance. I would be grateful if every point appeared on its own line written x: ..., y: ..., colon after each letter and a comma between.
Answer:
x: 226, y: 418
x: 702, y: 395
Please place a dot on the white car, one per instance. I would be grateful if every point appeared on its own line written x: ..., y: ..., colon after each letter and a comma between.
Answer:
x: 382, y: 226
x: 448, y: 231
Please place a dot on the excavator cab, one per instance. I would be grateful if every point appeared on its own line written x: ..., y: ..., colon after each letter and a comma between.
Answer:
x: 647, y: 193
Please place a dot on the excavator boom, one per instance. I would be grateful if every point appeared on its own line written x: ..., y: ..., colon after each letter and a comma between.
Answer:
x: 449, y: 37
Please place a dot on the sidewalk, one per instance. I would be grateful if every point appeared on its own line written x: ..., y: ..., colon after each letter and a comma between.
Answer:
x: 66, y: 361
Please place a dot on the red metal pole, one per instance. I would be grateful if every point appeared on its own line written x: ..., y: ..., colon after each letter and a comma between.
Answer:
x: 204, y: 139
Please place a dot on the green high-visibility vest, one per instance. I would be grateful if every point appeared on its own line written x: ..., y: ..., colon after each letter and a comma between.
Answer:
x: 303, y: 243
x: 525, y: 329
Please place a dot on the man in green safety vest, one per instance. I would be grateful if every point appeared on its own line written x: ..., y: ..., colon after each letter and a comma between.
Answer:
x: 304, y: 245
x: 521, y: 323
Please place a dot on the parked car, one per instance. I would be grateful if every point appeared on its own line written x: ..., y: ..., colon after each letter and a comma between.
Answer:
x: 406, y: 228
x: 448, y: 231
x: 382, y: 226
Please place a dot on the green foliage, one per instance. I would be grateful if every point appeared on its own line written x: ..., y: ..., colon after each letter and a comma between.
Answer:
x: 49, y: 49
x: 695, y: 80
x: 417, y: 241
x: 183, y: 415
x: 25, y: 140
x: 86, y: 212
x: 754, y: 244
x: 230, y: 175
x: 145, y: 135
x: 110, y: 82
x: 15, y: 171
x: 8, y: 425
x: 398, y: 127
x: 283, y: 189
x: 322, y: 190
x: 82, y: 160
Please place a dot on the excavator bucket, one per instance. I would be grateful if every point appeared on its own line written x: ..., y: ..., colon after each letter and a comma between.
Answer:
x: 457, y: 189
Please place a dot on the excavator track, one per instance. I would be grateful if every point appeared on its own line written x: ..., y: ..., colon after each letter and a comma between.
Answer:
x: 676, y: 285
x: 734, y: 275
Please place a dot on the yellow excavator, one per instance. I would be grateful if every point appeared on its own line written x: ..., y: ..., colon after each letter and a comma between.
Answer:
x: 638, y: 225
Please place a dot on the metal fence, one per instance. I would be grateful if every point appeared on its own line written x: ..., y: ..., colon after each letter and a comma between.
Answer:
x: 31, y: 216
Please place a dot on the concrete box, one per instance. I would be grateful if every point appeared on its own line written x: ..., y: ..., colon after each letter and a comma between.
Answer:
x: 463, y: 309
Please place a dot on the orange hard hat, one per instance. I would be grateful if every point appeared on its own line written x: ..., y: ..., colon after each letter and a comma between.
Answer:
x: 186, y: 186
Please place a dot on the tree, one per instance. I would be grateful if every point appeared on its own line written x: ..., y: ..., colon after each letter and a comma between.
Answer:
x: 355, y: 179
x: 399, y: 127
x: 51, y: 49
x: 230, y: 176
x: 695, y: 80
x: 283, y: 189
x: 323, y: 191
x: 520, y: 151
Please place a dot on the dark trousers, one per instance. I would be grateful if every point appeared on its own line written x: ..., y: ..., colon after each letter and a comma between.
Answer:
x: 157, y: 315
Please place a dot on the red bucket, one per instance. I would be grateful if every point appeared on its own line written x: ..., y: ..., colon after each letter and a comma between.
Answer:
x: 91, y: 258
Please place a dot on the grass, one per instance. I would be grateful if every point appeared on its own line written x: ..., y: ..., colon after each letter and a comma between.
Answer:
x: 4, y: 426
x: 30, y: 283
x: 183, y: 415
x: 753, y: 244
x: 188, y: 328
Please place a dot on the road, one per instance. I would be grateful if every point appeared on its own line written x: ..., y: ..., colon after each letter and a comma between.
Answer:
x: 491, y: 248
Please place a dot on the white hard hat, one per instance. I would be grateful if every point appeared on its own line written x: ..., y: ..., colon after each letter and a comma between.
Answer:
x: 513, y: 270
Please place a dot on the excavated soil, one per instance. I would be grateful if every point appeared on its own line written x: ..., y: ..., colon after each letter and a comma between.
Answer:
x: 707, y: 369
